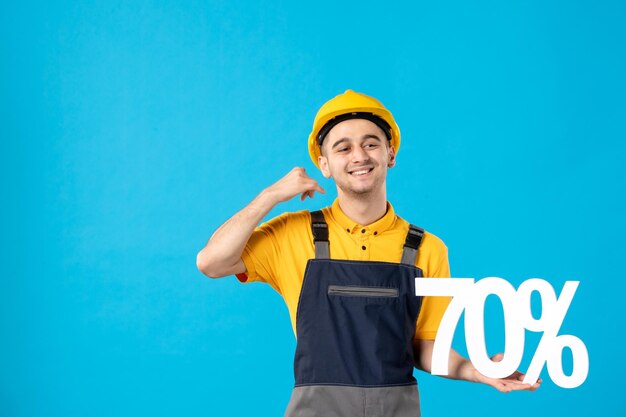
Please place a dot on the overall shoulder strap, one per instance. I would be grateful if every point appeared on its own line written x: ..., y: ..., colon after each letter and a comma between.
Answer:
x: 320, y: 235
x: 413, y: 240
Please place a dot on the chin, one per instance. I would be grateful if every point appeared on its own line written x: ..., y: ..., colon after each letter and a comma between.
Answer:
x: 363, y: 190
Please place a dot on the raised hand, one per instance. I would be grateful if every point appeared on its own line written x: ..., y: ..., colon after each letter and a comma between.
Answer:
x: 295, y: 182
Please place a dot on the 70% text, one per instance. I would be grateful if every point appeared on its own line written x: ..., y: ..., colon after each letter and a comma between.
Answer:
x: 470, y: 296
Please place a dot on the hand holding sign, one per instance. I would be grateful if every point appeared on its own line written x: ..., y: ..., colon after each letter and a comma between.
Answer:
x: 470, y: 296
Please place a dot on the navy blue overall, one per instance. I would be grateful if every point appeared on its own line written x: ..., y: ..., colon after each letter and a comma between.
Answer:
x: 355, y: 326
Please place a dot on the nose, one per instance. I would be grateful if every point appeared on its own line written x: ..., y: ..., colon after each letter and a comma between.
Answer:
x: 359, y: 155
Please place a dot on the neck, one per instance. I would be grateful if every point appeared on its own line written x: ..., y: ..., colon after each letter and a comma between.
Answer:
x: 364, y: 209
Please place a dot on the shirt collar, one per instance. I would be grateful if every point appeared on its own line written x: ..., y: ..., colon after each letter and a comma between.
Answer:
x: 347, y: 224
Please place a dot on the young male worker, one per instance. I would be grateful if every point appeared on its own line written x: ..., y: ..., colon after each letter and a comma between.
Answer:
x: 347, y: 272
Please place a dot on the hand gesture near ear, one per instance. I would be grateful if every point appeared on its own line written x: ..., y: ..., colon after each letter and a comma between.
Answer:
x: 222, y: 254
x: 295, y: 182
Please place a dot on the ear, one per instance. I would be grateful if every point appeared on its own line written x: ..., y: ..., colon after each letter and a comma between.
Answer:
x: 391, y: 161
x: 322, y: 161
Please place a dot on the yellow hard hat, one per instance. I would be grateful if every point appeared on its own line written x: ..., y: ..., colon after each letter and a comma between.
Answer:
x: 351, y: 105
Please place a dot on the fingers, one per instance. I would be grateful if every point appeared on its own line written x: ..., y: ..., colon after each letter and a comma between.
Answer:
x: 509, y: 386
x: 512, y: 383
x: 314, y: 186
x: 302, y: 173
x: 296, y: 182
x: 311, y: 186
x: 309, y: 193
x: 530, y: 387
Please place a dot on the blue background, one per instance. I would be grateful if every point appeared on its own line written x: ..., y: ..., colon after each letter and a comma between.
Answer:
x: 131, y: 130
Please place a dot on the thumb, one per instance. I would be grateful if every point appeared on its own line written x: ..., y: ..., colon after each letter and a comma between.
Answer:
x: 497, y: 357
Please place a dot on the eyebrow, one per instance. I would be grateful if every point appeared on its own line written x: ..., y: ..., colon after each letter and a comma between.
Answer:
x: 366, y: 136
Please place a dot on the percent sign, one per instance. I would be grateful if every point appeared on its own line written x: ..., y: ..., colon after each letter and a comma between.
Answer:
x: 470, y: 296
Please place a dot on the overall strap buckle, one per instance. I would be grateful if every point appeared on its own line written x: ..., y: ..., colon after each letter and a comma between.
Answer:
x: 319, y: 227
x: 411, y: 245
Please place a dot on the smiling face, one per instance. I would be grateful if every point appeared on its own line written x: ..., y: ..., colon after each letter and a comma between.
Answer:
x: 356, y: 154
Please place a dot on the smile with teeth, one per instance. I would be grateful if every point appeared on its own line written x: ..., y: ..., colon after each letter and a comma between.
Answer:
x: 361, y: 172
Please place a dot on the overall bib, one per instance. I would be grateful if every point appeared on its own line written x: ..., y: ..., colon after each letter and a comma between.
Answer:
x: 355, y: 326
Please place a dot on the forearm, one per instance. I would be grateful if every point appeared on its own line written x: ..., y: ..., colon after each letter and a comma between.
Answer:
x: 222, y: 254
x: 458, y: 367
x: 462, y: 369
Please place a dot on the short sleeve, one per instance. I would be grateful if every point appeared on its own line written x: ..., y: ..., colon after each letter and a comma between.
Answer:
x: 433, y: 308
x: 261, y: 254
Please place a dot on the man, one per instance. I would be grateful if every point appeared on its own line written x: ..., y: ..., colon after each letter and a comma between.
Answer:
x: 347, y: 273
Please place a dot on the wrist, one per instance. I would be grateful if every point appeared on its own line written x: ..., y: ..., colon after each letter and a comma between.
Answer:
x: 266, y: 200
x: 465, y: 371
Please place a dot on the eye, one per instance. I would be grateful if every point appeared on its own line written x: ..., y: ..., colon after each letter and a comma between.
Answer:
x: 342, y: 149
x: 371, y: 145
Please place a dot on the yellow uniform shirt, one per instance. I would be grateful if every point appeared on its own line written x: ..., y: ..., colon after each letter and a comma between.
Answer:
x: 278, y: 251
